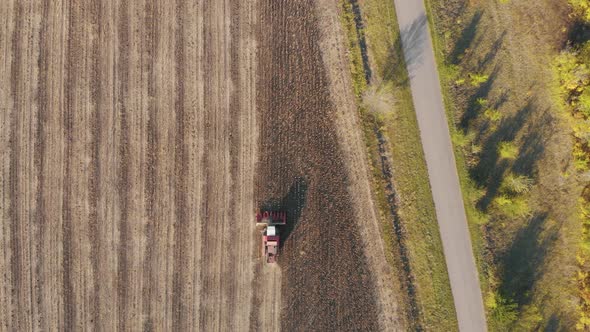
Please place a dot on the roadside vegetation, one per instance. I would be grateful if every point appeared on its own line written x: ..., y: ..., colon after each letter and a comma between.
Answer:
x: 572, y: 66
x: 400, y: 178
x: 514, y: 83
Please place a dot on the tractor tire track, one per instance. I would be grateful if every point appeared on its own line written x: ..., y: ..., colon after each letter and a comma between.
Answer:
x: 15, y: 164
x: 181, y: 226
x: 40, y: 163
x: 96, y: 86
x: 123, y: 164
x: 217, y: 178
x: 151, y: 40
x: 71, y: 73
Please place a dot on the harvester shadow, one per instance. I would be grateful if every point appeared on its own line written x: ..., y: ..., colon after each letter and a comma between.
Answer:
x: 292, y: 203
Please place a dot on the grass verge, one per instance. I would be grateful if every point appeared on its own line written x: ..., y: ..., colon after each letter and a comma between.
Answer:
x: 400, y: 176
x: 511, y: 148
x: 468, y: 188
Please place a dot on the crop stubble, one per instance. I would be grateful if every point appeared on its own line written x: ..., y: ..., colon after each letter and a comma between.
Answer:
x: 327, y: 283
x: 129, y: 138
x: 126, y: 202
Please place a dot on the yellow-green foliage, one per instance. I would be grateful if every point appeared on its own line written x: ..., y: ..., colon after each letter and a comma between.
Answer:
x: 572, y: 68
x: 355, y: 55
x: 530, y: 318
x: 478, y: 79
x: 573, y: 72
x: 493, y: 115
x: 582, y: 8
x: 583, y: 275
x: 516, y: 184
x: 507, y: 150
x: 512, y: 206
x: 503, y: 311
x: 461, y: 139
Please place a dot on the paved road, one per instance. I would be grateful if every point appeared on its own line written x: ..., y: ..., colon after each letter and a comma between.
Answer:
x: 434, y: 131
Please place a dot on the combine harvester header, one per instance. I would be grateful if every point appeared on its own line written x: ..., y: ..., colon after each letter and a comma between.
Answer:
x: 270, y: 220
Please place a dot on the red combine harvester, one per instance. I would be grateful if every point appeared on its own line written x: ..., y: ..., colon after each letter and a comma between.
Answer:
x: 270, y: 220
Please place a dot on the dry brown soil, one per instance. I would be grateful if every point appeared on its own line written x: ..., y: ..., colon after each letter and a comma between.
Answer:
x: 128, y: 143
x: 137, y: 138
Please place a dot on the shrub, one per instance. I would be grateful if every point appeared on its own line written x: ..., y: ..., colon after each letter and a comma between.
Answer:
x: 492, y: 115
x: 512, y: 207
x: 529, y: 319
x: 503, y: 310
x: 378, y: 102
x: 507, y: 150
x: 584, y: 103
x: 573, y: 75
x: 461, y: 139
x: 581, y: 159
x: 516, y: 184
x: 482, y: 102
x: 478, y: 79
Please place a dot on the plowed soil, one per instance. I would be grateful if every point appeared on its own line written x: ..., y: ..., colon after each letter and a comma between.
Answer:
x: 138, y: 137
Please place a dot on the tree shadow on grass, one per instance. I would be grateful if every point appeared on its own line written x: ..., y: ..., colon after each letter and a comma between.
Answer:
x: 293, y: 204
x: 466, y: 39
x: 482, y: 92
x: 487, y: 59
x: 490, y: 169
x: 578, y: 33
x: 522, y: 263
x: 553, y: 324
x: 533, y: 146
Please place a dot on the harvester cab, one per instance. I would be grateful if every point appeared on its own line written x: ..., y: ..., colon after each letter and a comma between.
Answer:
x: 270, y: 221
